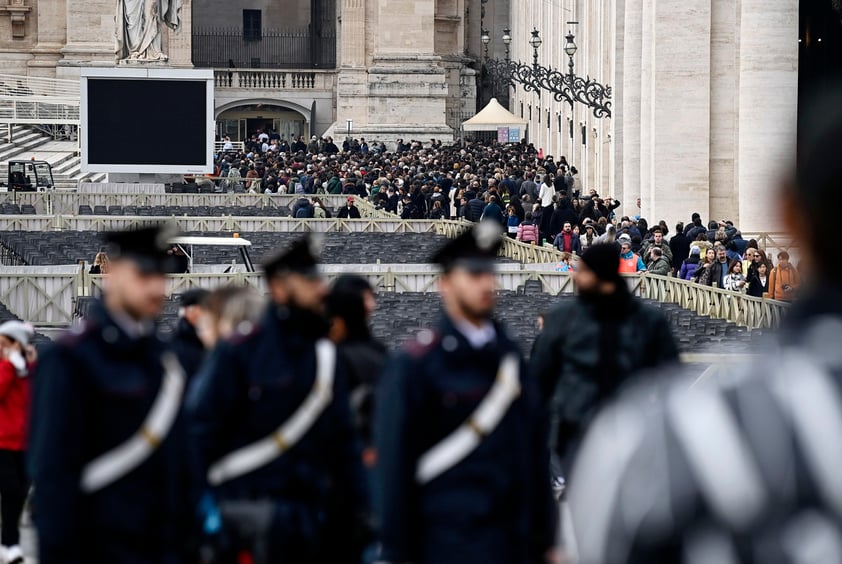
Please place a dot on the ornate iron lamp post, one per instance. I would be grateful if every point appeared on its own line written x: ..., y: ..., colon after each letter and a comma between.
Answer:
x: 563, y: 86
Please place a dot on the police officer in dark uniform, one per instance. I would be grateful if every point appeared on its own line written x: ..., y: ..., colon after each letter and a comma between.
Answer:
x: 460, y: 433
x: 272, y: 441
x: 186, y: 342
x: 104, y: 459
x: 742, y: 468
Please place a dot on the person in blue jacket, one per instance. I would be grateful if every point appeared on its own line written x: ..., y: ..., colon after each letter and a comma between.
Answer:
x: 463, y: 462
x: 273, y: 451
x: 106, y: 466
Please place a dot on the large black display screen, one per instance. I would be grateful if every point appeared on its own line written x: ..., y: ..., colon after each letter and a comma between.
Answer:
x: 147, y: 122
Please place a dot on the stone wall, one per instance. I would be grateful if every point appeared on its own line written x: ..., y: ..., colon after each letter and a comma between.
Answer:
x: 229, y: 14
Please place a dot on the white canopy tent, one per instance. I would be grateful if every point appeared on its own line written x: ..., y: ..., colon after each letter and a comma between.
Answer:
x: 493, y: 117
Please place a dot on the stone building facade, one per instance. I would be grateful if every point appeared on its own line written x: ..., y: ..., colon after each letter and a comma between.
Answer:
x: 704, y: 102
x: 704, y: 91
x: 390, y: 68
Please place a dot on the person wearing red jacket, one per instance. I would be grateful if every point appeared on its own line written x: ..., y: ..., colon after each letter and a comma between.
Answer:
x: 16, y: 358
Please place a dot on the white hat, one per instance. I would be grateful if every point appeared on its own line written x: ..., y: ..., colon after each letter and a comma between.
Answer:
x: 624, y: 237
x: 17, y: 331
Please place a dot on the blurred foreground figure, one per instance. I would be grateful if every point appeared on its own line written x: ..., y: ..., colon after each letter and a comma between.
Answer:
x: 17, y: 359
x: 351, y: 303
x: 745, y: 469
x: 273, y: 450
x: 229, y: 310
x: 104, y: 461
x: 186, y: 342
x: 461, y: 437
x: 593, y: 344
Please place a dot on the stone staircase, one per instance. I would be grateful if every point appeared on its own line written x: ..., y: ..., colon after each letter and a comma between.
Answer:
x: 28, y: 143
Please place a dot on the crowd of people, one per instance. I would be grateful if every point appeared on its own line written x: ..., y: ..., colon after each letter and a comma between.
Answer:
x: 535, y: 198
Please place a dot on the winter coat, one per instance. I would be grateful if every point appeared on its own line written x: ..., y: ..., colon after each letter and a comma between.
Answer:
x: 528, y: 232
x: 583, y: 240
x: 780, y: 277
x: 661, y: 266
x: 14, y: 407
x: 493, y: 211
x: 575, y: 245
x: 756, y: 287
x: 689, y: 268
x: 732, y: 282
x: 512, y: 223
x: 589, y: 347
x: 349, y: 212
x: 475, y: 209
x: 680, y: 246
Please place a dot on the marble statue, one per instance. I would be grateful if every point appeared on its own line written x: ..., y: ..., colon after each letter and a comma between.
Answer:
x: 139, y: 27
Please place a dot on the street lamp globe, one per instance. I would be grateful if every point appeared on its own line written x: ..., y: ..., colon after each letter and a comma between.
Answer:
x: 570, y: 47
x: 535, y: 40
x: 507, y: 36
x: 486, y: 38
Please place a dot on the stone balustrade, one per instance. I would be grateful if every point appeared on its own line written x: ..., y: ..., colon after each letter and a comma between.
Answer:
x: 268, y: 79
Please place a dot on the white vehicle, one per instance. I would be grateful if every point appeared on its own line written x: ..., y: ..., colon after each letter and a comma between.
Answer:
x: 186, y: 245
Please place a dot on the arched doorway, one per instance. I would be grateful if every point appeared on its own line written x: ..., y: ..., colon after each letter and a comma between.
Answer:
x: 241, y: 122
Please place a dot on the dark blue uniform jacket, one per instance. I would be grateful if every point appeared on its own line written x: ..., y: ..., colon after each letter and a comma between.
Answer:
x: 93, y: 390
x: 494, y: 506
x: 245, y: 391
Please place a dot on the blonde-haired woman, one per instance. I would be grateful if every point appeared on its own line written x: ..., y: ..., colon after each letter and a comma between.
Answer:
x: 100, y: 265
x: 229, y: 309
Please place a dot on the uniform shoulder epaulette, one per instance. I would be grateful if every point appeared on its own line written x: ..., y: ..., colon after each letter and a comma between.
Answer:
x: 423, y: 343
x: 245, y: 331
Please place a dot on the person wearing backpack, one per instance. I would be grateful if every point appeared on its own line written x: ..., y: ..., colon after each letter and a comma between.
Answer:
x: 527, y: 232
x: 783, y: 280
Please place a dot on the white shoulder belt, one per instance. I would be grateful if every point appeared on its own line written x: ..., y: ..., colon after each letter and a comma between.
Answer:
x: 258, y: 454
x: 118, y: 462
x: 468, y: 436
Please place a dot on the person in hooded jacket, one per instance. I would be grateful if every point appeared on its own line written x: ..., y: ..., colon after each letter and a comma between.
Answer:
x: 690, y: 264
x: 592, y: 344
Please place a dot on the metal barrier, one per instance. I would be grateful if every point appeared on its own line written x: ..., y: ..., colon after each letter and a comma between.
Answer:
x: 731, y: 306
x: 46, y: 295
x: 38, y: 101
x: 214, y: 224
x: 41, y: 295
x: 219, y: 146
x: 19, y: 85
x: 67, y: 203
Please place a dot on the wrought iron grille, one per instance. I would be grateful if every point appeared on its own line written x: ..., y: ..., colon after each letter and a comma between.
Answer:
x: 224, y: 47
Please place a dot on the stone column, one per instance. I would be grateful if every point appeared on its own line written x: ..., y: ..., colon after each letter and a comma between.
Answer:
x: 180, y: 41
x: 645, y: 181
x: 353, y: 34
x: 723, y: 111
x: 629, y: 148
x: 679, y: 110
x: 52, y: 36
x: 768, y: 93
x: 91, y: 36
x: 406, y: 87
x: 351, y: 89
